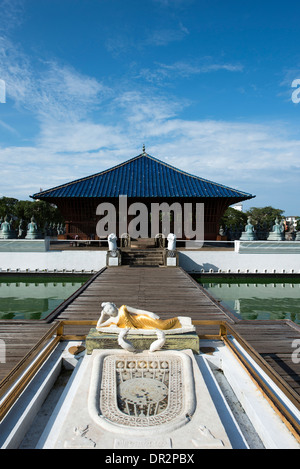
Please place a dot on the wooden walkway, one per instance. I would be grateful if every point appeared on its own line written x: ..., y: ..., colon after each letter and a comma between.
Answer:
x: 20, y: 338
x: 168, y: 292
x: 274, y: 341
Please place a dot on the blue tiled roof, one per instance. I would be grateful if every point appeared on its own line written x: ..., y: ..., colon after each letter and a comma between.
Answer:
x: 142, y: 176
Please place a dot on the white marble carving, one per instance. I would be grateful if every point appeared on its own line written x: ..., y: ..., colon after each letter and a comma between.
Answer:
x: 125, y: 344
x: 141, y: 394
x: 105, y: 408
x: 171, y: 242
x: 206, y: 439
x: 112, y: 242
x: 159, y: 343
x: 111, y: 310
x: 79, y: 440
x: 110, y: 325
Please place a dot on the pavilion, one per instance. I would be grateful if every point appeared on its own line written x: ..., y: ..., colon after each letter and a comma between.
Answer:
x: 142, y: 179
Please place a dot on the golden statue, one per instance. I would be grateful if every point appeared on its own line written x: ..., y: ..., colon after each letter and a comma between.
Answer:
x: 127, y: 317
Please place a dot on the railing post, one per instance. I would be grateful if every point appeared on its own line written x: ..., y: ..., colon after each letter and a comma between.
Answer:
x: 60, y: 329
x: 223, y: 330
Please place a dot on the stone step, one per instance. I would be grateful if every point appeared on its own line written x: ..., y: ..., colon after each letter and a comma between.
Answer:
x: 143, y: 262
x: 145, y: 251
x: 143, y: 257
x: 139, y: 251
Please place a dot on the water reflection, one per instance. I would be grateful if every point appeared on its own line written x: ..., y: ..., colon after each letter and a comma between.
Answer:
x: 23, y: 297
x: 256, y: 298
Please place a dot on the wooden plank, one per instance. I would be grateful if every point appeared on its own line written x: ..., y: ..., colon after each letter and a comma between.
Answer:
x: 165, y: 291
x: 168, y: 292
x: 19, y: 338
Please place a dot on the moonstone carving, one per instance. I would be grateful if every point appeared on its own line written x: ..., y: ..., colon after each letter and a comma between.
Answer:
x: 143, y: 392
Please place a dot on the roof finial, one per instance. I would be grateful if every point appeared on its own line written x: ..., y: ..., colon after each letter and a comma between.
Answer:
x: 144, y: 149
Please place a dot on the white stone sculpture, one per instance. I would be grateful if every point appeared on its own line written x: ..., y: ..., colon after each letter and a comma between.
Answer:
x: 125, y: 344
x: 112, y: 242
x: 111, y: 310
x: 154, y: 347
x: 142, y: 396
x: 159, y: 343
x: 171, y: 242
x: 126, y: 318
x: 139, y: 321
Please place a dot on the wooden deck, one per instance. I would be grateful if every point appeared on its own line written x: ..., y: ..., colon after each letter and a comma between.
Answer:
x: 273, y: 340
x: 20, y: 338
x: 168, y: 292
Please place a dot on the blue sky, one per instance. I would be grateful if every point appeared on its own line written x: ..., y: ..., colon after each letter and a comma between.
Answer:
x: 206, y: 85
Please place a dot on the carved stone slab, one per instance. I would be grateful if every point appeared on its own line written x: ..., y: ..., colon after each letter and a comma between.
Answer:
x: 123, y: 400
x: 142, y: 393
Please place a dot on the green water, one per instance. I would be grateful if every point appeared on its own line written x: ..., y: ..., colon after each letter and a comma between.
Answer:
x: 34, y: 297
x: 257, y: 298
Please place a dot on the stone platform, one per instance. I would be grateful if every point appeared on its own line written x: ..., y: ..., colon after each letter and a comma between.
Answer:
x: 111, y: 405
x: 24, y: 245
x: 101, y: 340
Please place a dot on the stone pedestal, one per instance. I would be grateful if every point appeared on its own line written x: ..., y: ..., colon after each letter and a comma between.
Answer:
x: 113, y: 258
x: 247, y: 236
x: 101, y: 340
x: 275, y: 236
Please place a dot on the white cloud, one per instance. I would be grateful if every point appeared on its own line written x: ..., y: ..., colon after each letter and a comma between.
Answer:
x: 163, y: 37
x: 185, y: 69
x: 52, y: 91
x: 11, y: 12
x: 246, y: 156
x: 74, y: 140
x: 85, y: 126
x: 61, y: 90
x: 77, y: 137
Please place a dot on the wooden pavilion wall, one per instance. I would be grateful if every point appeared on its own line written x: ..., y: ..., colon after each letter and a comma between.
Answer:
x: 81, y: 219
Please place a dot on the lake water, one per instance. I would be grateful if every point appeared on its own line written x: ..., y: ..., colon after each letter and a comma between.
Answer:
x: 257, y: 298
x: 34, y: 297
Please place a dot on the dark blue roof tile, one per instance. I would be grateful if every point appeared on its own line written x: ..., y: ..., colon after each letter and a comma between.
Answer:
x: 142, y: 176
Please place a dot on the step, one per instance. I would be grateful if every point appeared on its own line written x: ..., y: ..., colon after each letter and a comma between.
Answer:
x: 147, y: 251
x: 149, y: 257
x: 142, y: 253
x: 141, y: 256
x: 143, y: 262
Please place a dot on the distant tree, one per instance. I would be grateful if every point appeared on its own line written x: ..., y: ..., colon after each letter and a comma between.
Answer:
x: 233, y: 218
x: 43, y: 212
x: 265, y: 215
x: 7, y: 206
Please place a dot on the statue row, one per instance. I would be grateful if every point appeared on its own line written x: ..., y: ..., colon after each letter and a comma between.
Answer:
x: 31, y: 231
x: 275, y: 233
